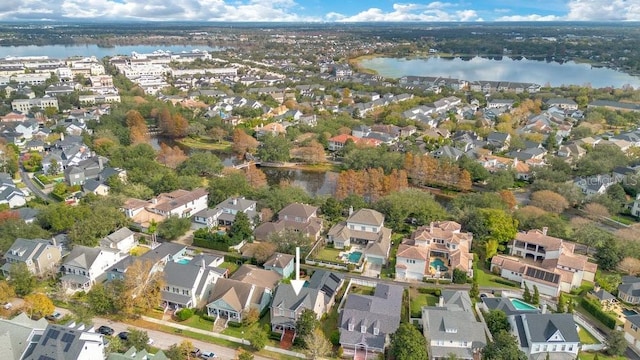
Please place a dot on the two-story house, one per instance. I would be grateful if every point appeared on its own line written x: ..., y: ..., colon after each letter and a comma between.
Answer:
x: 363, y: 229
x: 434, y: 250
x: 224, y: 213
x: 283, y: 264
x: 248, y: 288
x: 122, y: 240
x: 367, y: 321
x: 553, y: 265
x: 39, y: 255
x: 317, y: 295
x: 296, y: 217
x: 159, y: 256
x: 10, y: 194
x: 632, y: 330
x: 542, y: 334
x: 188, y: 285
x: 629, y: 290
x: 73, y: 341
x: 451, y: 327
x: 178, y: 203
x: 20, y: 334
x: 84, y: 265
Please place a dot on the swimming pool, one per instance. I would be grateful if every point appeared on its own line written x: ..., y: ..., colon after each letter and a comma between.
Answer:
x: 521, y: 305
x: 354, y: 257
x: 629, y: 312
x: 183, y: 261
x: 438, y: 264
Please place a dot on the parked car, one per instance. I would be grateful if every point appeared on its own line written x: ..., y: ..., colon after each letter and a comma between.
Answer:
x: 208, y: 355
x: 123, y: 335
x: 150, y: 341
x: 105, y: 330
x: 195, y: 352
x: 54, y: 317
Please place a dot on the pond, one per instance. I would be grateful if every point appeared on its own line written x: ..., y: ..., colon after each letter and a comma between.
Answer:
x: 503, y: 69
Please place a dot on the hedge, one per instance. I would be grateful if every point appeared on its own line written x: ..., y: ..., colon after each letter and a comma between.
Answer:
x: 597, y: 312
x: 210, y: 244
x: 432, y: 291
x: 234, y: 324
x: 184, y: 314
x: 505, y: 282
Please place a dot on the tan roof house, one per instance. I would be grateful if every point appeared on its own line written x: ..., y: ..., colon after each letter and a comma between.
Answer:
x: 365, y: 230
x: 297, y: 217
x: 41, y: 256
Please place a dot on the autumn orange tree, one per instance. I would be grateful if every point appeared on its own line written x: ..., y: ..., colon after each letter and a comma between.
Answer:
x: 243, y: 143
x: 426, y: 170
x: 171, y: 156
x: 255, y: 177
x: 39, y: 305
x: 172, y: 125
x: 143, y: 287
x: 139, y: 133
x: 372, y: 184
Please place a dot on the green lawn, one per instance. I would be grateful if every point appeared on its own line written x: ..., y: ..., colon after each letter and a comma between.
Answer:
x: 601, y: 356
x: 197, y: 322
x: 231, y: 266
x: 419, y: 300
x: 329, y: 254
x: 487, y: 279
x: 205, y: 143
x: 362, y: 290
x: 586, y: 337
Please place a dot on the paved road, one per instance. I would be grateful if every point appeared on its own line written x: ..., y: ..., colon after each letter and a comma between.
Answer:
x: 35, y: 189
x: 164, y: 340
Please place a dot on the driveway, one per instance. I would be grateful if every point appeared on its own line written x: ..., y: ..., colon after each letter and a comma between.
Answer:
x: 33, y: 188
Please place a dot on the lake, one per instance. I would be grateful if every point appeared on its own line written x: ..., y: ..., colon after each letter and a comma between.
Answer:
x: 504, y: 69
x: 65, y: 51
x: 313, y: 182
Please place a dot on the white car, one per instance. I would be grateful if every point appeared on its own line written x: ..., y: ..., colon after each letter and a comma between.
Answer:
x: 208, y: 355
x: 150, y: 341
x: 8, y: 306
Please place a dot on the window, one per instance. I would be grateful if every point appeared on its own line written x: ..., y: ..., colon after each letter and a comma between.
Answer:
x: 376, y: 331
x: 363, y: 329
x: 363, y: 228
x: 350, y: 327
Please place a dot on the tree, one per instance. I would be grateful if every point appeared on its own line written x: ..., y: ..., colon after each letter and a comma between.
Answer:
x: 250, y: 317
x: 307, y: 322
x: 508, y: 198
x: 596, y: 211
x: 630, y: 266
x: 244, y: 355
x: 491, y: 248
x: 317, y: 345
x: 201, y: 163
x: 616, y: 343
x: 549, y: 201
x: 503, y: 347
x: 274, y: 148
x: 171, y: 157
x: 173, y: 227
x: 255, y: 177
x: 39, y: 305
x: 263, y: 251
x: 492, y: 224
x: 99, y: 300
x: 591, y: 235
x: 459, y: 276
x: 415, y: 203
x: 609, y: 255
x: 258, y: 338
x: 497, y: 321
x: 570, y: 306
x: 561, y: 302
x: 143, y: 285
x: 526, y: 296
x: 137, y: 127
x: 6, y: 292
x: 138, y: 339
x: 475, y: 290
x: 286, y: 241
x: 241, y: 228
x: 232, y: 183
x: 21, y: 279
x: 243, y: 143
x: 500, y: 180
x: 408, y: 343
x: 535, y: 299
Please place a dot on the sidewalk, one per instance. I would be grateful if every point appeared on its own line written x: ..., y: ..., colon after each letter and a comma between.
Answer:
x: 221, y: 336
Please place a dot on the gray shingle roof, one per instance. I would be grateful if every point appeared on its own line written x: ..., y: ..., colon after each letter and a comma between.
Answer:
x: 541, y: 327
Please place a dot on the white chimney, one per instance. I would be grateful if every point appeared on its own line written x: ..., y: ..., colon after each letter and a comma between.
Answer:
x: 544, y: 308
x: 431, y: 227
x: 441, y: 301
x: 235, y: 201
x: 61, y: 136
x: 350, y: 210
x: 544, y: 230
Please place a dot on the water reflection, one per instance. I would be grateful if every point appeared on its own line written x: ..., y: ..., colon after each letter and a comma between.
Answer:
x: 552, y: 71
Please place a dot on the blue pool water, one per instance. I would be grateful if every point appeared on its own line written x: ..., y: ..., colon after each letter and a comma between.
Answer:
x: 628, y: 312
x: 438, y: 264
x: 521, y: 305
x: 354, y: 257
x: 183, y: 261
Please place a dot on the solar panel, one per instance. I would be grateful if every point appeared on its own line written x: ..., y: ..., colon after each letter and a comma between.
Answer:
x: 543, y: 275
x: 68, y: 339
x: 51, y: 334
x: 334, y: 277
x: 327, y: 290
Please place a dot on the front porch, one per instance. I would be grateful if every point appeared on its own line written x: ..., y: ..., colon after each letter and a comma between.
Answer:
x: 360, y: 352
x: 74, y: 283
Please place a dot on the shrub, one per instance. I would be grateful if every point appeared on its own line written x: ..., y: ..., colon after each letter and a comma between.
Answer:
x: 334, y: 338
x: 597, y: 312
x: 184, y: 314
x: 505, y: 282
x: 234, y: 324
x: 432, y: 291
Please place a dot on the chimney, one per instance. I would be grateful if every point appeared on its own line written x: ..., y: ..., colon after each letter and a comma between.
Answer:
x: 202, y: 264
x: 100, y: 163
x: 441, y: 301
x: 53, y: 241
x: 235, y: 201
x: 596, y: 287
x: 431, y: 227
x: 350, y: 210
x: 61, y: 136
x: 544, y: 230
x: 544, y: 308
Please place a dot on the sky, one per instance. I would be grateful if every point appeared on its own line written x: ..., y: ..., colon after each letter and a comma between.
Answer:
x: 321, y: 10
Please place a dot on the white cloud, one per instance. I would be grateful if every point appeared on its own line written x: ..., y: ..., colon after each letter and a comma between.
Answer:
x: 604, y: 10
x: 434, y: 11
x: 531, y: 17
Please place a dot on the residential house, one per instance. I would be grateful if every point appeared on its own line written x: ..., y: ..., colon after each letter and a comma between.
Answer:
x: 367, y: 321
x: 605, y: 298
x: 338, y: 142
x: 225, y: 212
x: 500, y: 103
x: 499, y: 141
x: 10, y: 194
x: 283, y: 264
x: 635, y: 206
x: 546, y: 336
x: 571, y: 151
x: 188, y: 282
x: 39, y: 255
x: 562, y: 103
x: 122, y: 240
x: 273, y: 129
x: 158, y: 256
x: 434, y: 250
x: 73, y: 341
x: 318, y: 295
x: 90, y: 168
x: 451, y: 327
x: 631, y: 332
x: 82, y: 268
x: 179, y: 203
x: 595, y: 185
x: 629, y: 290
x: 551, y: 265
x: 19, y: 334
x: 363, y: 229
x: 295, y: 217
x: 248, y: 288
